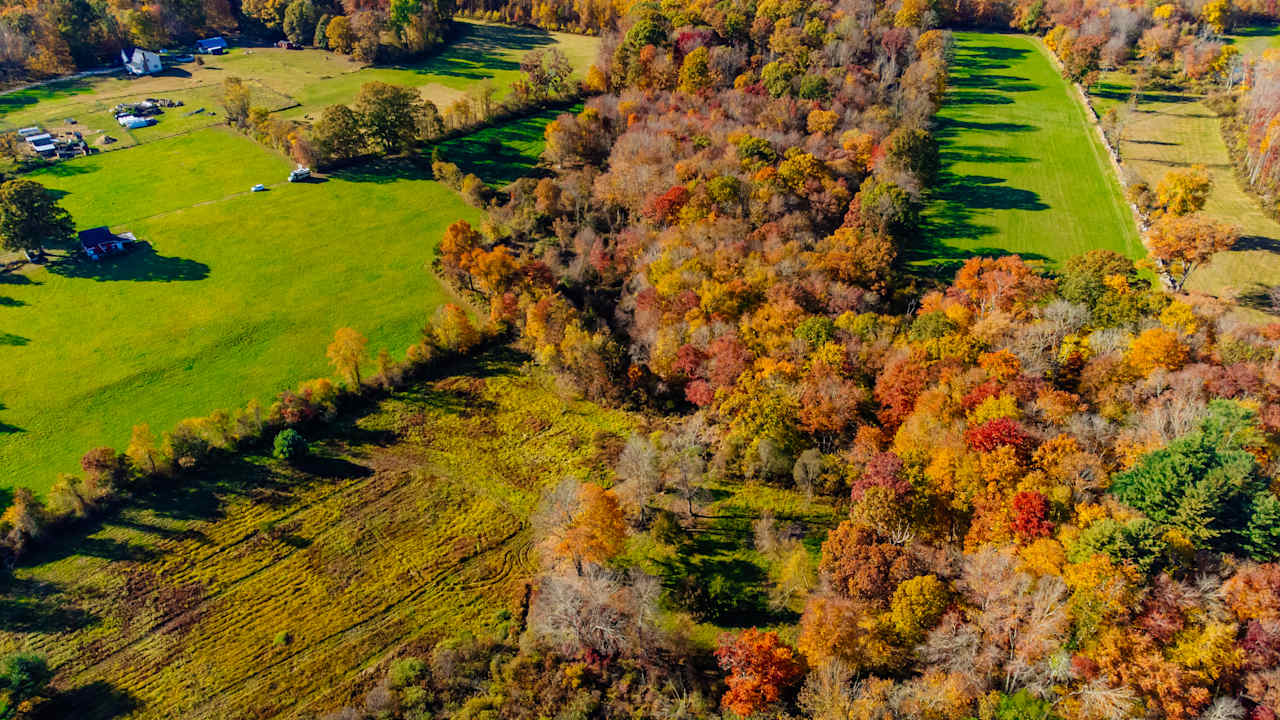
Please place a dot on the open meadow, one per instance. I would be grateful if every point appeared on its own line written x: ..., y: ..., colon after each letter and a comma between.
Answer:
x: 1255, y: 39
x: 235, y: 295
x: 299, y: 83
x: 1166, y: 130
x: 1023, y: 171
x: 260, y: 590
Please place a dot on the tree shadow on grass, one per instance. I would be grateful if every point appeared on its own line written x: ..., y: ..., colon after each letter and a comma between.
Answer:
x: 714, y: 577
x: 142, y: 264
x: 475, y: 52
x: 6, y: 301
x: 50, y: 91
x: 383, y: 171
x: 981, y: 154
x: 950, y: 127
x: 957, y: 98
x: 995, y: 82
x: 492, y: 155
x: 1256, y: 30
x: 953, y: 217
x: 15, y: 278
x: 5, y: 429
x: 69, y: 168
x: 1258, y: 297
x: 1257, y: 242
x: 33, y: 606
x: 98, y: 700
x: 12, y: 340
x: 997, y: 52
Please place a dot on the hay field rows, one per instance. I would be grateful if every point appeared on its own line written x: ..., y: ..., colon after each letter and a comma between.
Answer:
x: 263, y: 591
x: 1023, y: 171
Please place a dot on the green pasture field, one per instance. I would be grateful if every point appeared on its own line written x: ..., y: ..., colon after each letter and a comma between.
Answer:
x: 1023, y: 170
x: 1255, y: 39
x: 260, y: 590
x: 1167, y: 130
x: 235, y: 296
x: 299, y: 83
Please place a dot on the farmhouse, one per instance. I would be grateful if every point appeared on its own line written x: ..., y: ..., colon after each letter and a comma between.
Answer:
x: 211, y: 46
x: 99, y: 242
x: 140, y: 62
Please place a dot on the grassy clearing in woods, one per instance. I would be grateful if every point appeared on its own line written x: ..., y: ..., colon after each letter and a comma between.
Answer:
x: 1168, y: 130
x: 1023, y: 170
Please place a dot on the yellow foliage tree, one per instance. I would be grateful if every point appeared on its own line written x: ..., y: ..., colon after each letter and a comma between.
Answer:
x: 1216, y: 13
x: 916, y: 606
x: 346, y: 352
x: 1155, y: 348
x: 1184, y: 191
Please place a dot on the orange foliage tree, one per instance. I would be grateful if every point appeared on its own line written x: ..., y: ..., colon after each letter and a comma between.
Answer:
x: 1180, y: 244
x: 761, y: 670
x: 598, y: 528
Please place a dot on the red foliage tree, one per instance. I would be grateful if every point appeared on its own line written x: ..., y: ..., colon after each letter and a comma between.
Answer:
x: 883, y: 470
x: 665, y: 206
x: 897, y: 389
x: 996, y: 433
x: 1030, y: 516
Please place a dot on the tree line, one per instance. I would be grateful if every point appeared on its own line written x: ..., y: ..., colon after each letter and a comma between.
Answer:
x: 387, y: 120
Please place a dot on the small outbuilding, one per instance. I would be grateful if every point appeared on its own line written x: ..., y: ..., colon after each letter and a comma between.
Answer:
x: 27, y: 132
x: 211, y: 46
x: 98, y: 243
x: 140, y: 62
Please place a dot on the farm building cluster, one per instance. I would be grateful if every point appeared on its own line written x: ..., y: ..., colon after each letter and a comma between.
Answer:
x: 54, y: 145
x: 132, y: 116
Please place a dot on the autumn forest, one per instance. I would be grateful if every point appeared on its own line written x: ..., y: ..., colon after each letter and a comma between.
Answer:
x: 778, y: 381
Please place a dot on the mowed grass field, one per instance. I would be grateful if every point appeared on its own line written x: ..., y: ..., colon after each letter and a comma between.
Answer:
x: 299, y: 83
x: 264, y: 591
x: 1255, y: 39
x: 1168, y: 130
x: 1023, y: 170
x: 236, y: 295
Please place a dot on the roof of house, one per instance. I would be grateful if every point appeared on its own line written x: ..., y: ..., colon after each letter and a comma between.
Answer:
x: 212, y: 42
x: 36, y: 139
x: 95, y: 236
x: 28, y: 131
x: 137, y: 55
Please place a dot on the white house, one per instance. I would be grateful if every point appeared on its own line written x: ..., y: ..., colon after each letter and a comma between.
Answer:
x: 140, y: 62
